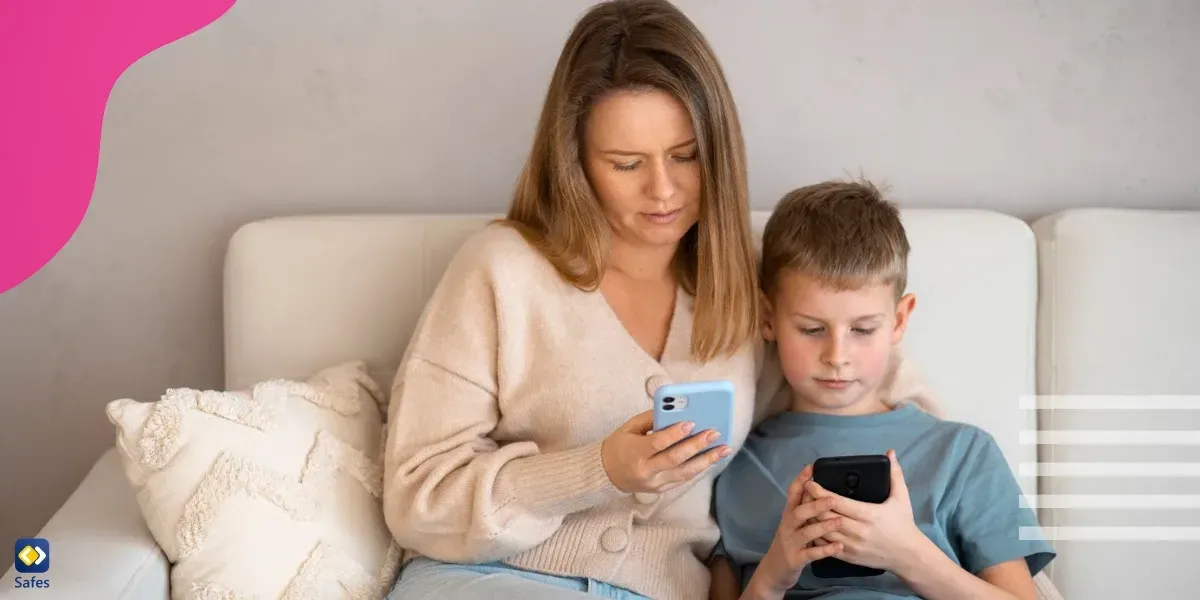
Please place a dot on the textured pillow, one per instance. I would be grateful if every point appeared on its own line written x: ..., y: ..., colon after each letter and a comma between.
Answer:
x: 272, y: 492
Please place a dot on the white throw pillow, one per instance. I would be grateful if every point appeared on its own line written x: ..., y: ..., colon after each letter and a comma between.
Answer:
x: 267, y: 493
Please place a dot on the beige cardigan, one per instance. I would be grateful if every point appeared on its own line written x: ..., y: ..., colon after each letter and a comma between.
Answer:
x: 512, y: 380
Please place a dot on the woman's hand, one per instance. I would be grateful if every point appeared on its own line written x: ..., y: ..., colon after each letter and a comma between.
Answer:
x: 793, y: 547
x: 881, y: 536
x: 638, y: 461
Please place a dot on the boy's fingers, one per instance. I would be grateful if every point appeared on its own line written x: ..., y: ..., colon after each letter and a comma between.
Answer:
x: 898, y: 485
x: 822, y: 551
x: 848, y: 525
x: 850, y: 508
x: 820, y: 530
x: 796, y: 489
x: 810, y: 510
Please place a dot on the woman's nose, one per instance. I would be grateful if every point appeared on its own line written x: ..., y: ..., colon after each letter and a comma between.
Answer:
x: 661, y: 186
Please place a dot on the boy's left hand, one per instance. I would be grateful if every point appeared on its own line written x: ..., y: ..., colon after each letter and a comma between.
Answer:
x: 873, y: 535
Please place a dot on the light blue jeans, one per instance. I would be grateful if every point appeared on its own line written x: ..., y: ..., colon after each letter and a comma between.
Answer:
x: 425, y: 579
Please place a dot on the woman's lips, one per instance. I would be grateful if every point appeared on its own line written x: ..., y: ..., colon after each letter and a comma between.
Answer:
x: 663, y: 218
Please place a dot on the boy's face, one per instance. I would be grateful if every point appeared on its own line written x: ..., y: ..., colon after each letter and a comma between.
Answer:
x: 835, y: 346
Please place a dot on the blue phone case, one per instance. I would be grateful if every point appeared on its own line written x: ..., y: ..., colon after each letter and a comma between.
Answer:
x: 708, y: 404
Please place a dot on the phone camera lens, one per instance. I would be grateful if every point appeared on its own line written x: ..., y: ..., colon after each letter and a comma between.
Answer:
x: 851, y: 480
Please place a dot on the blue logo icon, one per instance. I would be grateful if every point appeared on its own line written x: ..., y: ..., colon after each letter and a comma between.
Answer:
x: 31, y: 555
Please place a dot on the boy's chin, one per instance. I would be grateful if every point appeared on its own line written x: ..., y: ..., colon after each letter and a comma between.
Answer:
x: 842, y: 402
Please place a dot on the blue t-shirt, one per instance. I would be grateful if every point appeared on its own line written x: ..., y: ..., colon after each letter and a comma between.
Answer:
x: 963, y: 492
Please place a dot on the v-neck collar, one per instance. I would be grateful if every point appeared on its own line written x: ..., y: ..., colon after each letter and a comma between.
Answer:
x: 679, y: 332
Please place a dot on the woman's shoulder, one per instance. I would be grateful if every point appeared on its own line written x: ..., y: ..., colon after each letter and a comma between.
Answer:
x: 499, y: 251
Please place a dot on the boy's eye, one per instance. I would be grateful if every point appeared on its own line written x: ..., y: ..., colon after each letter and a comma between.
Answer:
x: 864, y: 330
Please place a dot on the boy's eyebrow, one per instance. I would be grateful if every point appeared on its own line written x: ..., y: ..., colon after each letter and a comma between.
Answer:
x: 862, y: 318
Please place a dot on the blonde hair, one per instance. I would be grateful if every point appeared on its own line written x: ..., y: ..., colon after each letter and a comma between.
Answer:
x: 845, y: 234
x: 645, y: 44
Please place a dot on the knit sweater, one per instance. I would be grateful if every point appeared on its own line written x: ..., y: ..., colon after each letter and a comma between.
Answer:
x: 512, y: 380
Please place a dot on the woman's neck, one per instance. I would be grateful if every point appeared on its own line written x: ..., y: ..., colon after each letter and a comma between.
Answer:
x: 641, y: 263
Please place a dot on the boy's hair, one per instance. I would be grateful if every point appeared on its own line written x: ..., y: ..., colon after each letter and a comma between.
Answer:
x: 842, y: 233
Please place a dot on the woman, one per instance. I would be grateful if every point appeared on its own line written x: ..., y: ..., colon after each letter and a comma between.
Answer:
x: 517, y: 445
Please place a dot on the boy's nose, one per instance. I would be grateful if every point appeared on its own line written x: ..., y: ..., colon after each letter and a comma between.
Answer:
x: 835, y: 356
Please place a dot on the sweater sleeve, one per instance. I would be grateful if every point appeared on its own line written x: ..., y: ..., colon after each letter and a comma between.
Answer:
x: 451, y: 492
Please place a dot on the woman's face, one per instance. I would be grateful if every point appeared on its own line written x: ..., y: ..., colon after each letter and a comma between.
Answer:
x: 640, y: 155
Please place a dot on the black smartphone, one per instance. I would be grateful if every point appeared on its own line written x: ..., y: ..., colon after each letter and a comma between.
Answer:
x: 866, y: 478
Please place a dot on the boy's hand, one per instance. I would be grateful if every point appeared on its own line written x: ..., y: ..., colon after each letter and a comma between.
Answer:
x: 872, y: 535
x: 793, y: 546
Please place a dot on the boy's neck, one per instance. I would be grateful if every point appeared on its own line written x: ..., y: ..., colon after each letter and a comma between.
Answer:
x: 869, y: 404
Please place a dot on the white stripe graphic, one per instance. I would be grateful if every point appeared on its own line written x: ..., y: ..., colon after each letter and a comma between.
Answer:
x: 1111, y: 402
x: 1094, y: 501
x: 1108, y: 534
x: 1105, y: 469
x: 1109, y: 438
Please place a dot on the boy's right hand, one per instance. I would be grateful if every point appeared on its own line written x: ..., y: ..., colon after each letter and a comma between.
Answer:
x: 793, y: 547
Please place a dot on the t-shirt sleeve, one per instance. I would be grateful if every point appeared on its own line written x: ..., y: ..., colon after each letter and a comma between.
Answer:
x: 747, y: 505
x: 991, y: 524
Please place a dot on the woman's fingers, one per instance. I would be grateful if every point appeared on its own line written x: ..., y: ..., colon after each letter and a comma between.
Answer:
x: 682, y: 452
x: 694, y: 466
x: 661, y: 440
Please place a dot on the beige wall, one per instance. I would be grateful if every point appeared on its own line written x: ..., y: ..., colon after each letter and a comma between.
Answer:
x: 293, y: 106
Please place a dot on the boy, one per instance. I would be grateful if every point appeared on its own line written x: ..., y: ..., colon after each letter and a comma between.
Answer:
x: 834, y: 271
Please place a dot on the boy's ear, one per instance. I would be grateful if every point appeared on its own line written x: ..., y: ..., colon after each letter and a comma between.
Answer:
x: 904, y: 310
x: 768, y: 330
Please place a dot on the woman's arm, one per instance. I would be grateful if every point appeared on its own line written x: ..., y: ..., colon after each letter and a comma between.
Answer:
x: 451, y: 492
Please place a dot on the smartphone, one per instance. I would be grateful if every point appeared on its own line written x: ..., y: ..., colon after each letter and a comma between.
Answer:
x: 708, y: 404
x: 866, y: 478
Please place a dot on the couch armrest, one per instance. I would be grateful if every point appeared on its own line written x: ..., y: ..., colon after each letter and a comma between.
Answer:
x: 100, y: 546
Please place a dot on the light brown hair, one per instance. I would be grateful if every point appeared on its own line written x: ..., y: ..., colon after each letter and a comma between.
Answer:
x: 645, y: 44
x: 845, y: 234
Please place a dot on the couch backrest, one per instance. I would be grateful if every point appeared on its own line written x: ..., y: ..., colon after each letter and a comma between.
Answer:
x: 305, y: 292
x: 1119, y: 345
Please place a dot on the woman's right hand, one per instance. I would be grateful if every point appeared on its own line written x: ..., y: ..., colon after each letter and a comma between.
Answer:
x: 640, y: 461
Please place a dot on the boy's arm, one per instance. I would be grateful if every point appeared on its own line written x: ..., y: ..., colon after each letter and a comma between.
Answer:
x: 989, y: 519
x: 934, y: 576
x: 726, y: 586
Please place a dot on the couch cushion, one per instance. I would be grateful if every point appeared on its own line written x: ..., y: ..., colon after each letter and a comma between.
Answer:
x: 1119, y: 340
x: 268, y: 492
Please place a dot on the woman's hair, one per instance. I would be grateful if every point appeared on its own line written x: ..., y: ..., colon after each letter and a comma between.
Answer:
x: 635, y: 45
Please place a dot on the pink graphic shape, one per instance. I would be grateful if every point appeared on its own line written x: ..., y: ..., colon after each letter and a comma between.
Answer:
x: 59, y: 60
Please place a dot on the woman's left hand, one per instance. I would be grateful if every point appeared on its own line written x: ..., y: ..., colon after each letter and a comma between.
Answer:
x: 873, y: 535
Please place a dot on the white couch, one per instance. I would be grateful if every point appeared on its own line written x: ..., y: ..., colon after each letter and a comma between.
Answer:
x: 1084, y: 302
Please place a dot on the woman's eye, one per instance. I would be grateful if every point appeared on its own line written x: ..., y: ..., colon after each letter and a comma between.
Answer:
x: 626, y: 167
x: 810, y: 330
x: 686, y: 159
